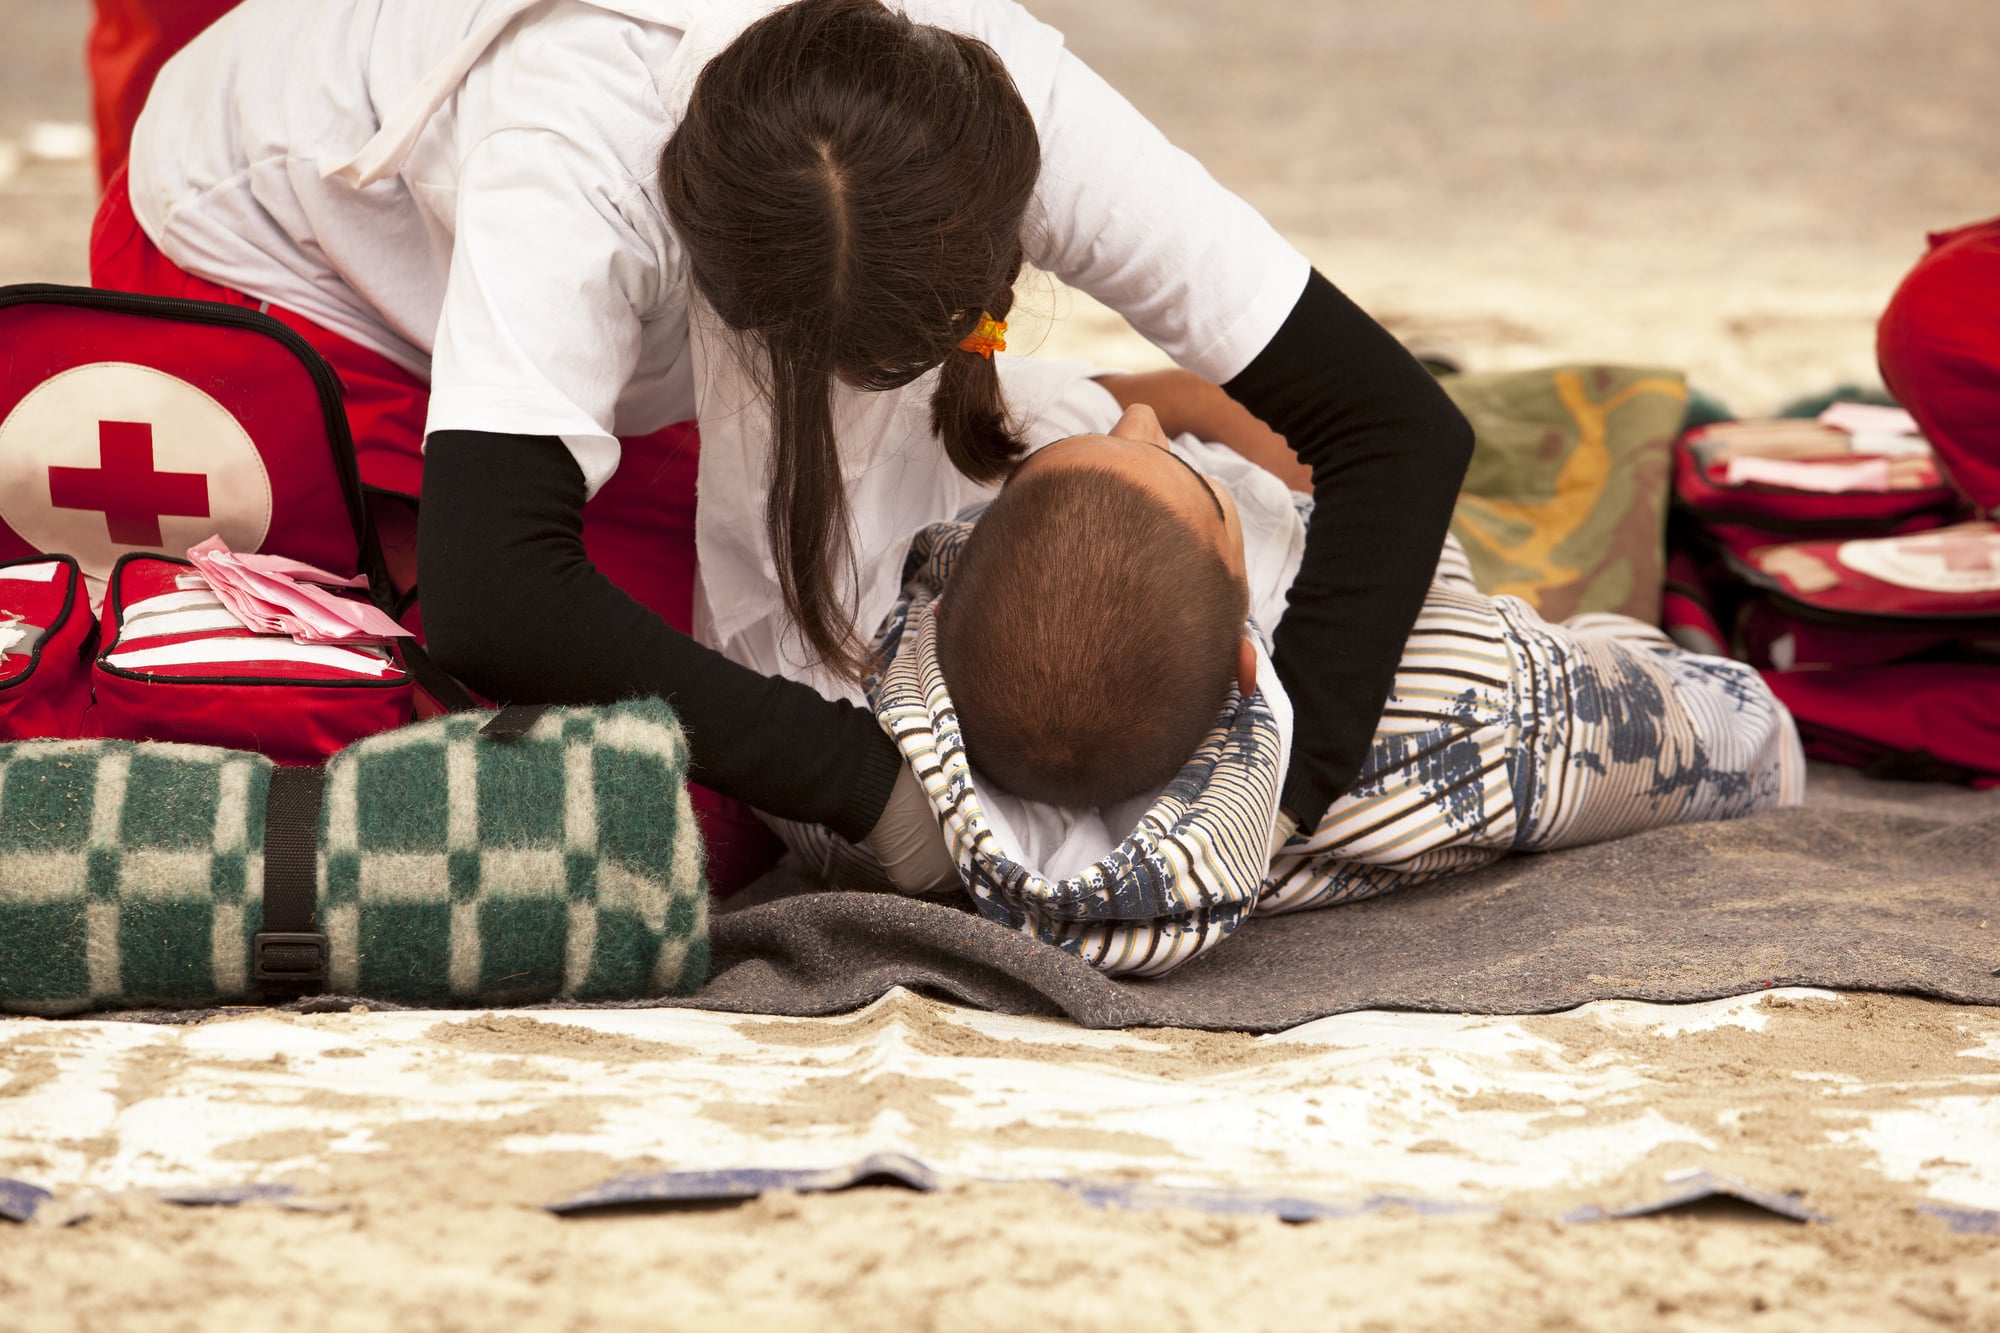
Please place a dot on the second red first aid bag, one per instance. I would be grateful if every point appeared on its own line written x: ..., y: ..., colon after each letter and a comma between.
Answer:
x: 1856, y: 578
x: 141, y: 425
x: 47, y: 638
x: 1812, y: 545
x: 176, y: 664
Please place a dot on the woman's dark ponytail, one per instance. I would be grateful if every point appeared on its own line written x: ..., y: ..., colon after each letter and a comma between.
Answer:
x: 968, y: 411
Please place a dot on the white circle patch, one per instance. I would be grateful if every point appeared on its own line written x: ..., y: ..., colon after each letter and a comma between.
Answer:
x: 1964, y: 559
x: 115, y: 457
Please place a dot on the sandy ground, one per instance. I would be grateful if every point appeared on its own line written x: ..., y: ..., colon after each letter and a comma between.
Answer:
x: 982, y: 1258
x: 1733, y: 189
x: 422, y: 1206
x: 1730, y: 188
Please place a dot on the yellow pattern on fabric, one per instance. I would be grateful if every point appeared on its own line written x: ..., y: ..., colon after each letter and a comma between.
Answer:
x: 1565, y: 502
x: 1579, y: 486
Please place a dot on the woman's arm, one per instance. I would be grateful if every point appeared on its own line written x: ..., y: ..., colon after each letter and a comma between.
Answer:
x: 514, y: 607
x: 1187, y: 404
x: 1138, y: 224
x: 1387, y: 451
x: 1363, y: 434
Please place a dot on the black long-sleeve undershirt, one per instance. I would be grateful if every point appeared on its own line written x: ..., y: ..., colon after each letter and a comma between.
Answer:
x: 1388, y: 452
x: 514, y: 607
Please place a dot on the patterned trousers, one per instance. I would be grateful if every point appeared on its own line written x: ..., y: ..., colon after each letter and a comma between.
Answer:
x: 1505, y: 733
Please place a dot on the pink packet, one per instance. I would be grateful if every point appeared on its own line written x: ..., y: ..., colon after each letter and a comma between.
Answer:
x: 307, y: 613
x: 266, y: 594
x: 296, y: 570
x: 221, y: 580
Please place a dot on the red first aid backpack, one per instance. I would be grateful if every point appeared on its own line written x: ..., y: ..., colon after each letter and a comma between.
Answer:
x: 133, y: 427
x: 1873, y: 610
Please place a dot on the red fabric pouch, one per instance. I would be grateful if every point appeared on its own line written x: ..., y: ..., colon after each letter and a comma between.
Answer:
x: 1918, y: 720
x: 1741, y: 514
x: 177, y: 665
x: 48, y: 635
x: 1868, y: 602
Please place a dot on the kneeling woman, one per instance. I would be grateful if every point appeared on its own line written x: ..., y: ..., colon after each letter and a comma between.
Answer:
x: 531, y: 234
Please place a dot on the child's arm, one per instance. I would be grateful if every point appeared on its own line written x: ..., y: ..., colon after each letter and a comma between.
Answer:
x: 1187, y: 404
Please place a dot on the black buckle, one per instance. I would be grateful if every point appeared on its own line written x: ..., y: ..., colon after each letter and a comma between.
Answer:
x: 513, y: 721
x: 289, y: 958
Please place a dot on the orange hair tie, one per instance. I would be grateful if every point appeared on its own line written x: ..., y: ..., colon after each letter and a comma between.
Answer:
x: 988, y: 338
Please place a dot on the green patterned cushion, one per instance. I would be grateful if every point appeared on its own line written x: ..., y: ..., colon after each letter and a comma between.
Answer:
x: 454, y: 868
x: 1565, y: 503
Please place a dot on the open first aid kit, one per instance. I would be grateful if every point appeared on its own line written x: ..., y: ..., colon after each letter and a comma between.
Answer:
x: 134, y: 432
x: 1834, y: 554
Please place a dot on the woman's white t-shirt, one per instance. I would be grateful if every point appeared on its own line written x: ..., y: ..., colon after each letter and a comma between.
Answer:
x: 519, y: 260
x: 517, y: 256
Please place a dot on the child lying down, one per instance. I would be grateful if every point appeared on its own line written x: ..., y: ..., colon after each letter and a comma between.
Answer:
x: 1053, y: 666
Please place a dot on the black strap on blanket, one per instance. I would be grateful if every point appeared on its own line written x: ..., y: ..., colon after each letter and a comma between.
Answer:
x: 514, y: 721
x: 289, y: 957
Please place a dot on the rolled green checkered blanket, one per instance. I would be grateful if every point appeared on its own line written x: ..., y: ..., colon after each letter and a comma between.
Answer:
x: 453, y: 867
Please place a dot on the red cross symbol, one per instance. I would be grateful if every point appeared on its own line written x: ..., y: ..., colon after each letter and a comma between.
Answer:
x: 124, y: 486
x: 1966, y: 551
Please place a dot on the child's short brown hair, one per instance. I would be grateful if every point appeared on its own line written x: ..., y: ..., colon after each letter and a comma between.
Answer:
x: 1088, y: 636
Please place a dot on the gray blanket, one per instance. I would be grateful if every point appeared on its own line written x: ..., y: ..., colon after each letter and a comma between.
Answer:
x: 1869, y: 886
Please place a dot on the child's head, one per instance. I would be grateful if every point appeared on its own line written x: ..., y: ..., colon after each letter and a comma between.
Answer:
x: 849, y: 187
x: 1095, y: 619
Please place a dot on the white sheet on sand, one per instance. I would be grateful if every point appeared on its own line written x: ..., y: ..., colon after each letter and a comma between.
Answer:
x: 1453, y: 1111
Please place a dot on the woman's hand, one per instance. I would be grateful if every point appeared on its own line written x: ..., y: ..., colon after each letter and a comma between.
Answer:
x: 1187, y: 404
x: 909, y: 842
